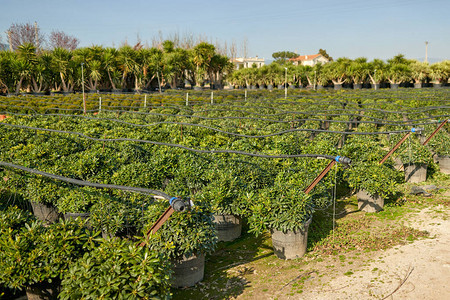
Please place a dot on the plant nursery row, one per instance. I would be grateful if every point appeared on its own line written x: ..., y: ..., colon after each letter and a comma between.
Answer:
x: 238, y: 159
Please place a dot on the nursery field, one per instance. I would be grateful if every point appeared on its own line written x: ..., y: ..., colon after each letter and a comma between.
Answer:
x: 249, y: 157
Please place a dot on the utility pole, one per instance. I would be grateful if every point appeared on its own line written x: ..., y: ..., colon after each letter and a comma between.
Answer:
x: 36, y: 38
x: 285, y: 83
x: 82, y: 86
x: 426, y: 52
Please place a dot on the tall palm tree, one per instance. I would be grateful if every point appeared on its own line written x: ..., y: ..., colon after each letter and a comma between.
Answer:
x: 60, y: 62
x: 202, y: 55
x: 126, y: 63
x: 109, y: 61
x: 358, y: 70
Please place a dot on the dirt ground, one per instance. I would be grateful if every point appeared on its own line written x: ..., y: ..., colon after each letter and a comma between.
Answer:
x: 417, y: 270
x: 420, y: 270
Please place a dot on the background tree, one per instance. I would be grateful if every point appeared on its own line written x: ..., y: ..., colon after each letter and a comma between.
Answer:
x: 58, y: 39
x: 282, y: 56
x: 325, y: 54
x: 26, y: 33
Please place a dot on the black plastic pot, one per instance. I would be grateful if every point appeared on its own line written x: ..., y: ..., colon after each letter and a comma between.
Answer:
x: 44, y: 290
x: 188, y: 271
x: 228, y: 227
x: 444, y: 163
x: 45, y: 212
x: 290, y: 244
x: 369, y: 203
x: 415, y: 173
x: 337, y: 86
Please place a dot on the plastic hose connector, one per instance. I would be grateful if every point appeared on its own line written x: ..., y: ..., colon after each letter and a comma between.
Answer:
x: 343, y: 160
x: 177, y: 204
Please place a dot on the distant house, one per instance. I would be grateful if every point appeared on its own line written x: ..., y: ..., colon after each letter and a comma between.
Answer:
x: 242, y: 63
x: 309, y: 60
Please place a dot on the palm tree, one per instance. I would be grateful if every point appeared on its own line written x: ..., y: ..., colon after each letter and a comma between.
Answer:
x: 337, y: 71
x: 358, y: 70
x: 60, y: 62
x: 440, y: 72
x: 419, y: 72
x: 202, y: 55
x: 42, y: 72
x: 398, y: 70
x: 8, y: 76
x: 377, y: 70
x: 25, y: 63
x: 109, y: 62
x: 126, y: 63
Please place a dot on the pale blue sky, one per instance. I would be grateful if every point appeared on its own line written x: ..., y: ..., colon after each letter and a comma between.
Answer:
x: 350, y: 28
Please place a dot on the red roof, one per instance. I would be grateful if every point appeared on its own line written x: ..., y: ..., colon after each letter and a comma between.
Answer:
x: 304, y: 57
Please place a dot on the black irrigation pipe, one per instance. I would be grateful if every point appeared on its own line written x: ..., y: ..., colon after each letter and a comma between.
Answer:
x: 333, y: 102
x: 173, y: 145
x: 410, y: 122
x: 257, y: 136
x: 87, y: 183
x: 244, y: 118
x: 236, y: 134
x: 381, y: 121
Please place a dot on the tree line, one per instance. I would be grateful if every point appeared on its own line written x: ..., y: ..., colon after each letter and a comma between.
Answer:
x: 128, y: 67
x: 358, y: 71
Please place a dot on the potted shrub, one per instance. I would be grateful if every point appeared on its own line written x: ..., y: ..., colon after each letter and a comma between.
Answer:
x: 185, y: 238
x: 43, y: 194
x: 75, y: 203
x: 286, y: 211
x: 223, y: 194
x: 34, y: 257
x: 118, y: 215
x: 439, y: 144
x: 415, y: 158
x: 373, y: 183
x: 117, y: 269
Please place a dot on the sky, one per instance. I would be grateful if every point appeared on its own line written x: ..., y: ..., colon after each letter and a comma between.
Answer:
x: 345, y: 28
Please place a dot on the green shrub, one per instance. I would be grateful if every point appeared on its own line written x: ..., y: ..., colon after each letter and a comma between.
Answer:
x: 35, y: 254
x: 117, y: 269
x: 186, y: 233
x: 373, y: 178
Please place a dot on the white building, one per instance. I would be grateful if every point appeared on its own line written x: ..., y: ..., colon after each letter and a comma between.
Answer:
x: 309, y: 60
x: 241, y: 63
